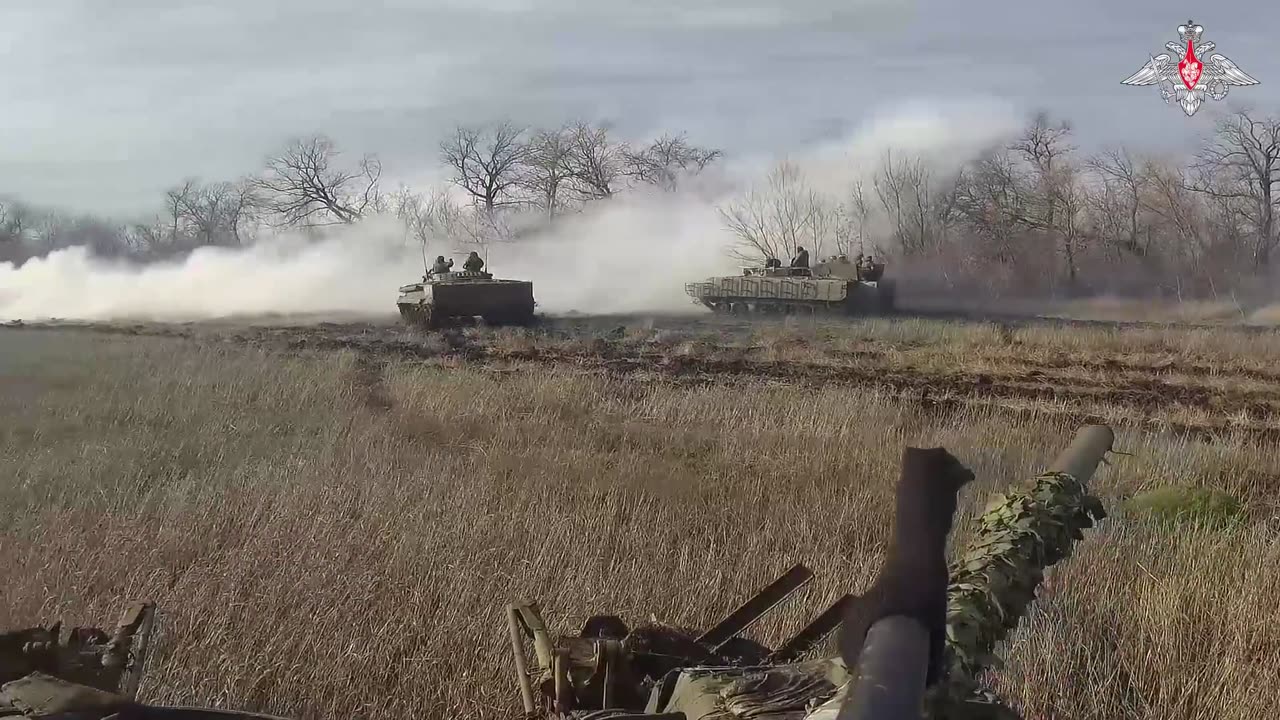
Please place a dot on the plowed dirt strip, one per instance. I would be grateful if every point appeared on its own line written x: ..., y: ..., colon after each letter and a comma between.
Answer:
x: 1164, y: 394
x: 731, y: 337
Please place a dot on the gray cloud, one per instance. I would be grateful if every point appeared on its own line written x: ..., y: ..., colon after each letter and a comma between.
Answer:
x: 106, y: 103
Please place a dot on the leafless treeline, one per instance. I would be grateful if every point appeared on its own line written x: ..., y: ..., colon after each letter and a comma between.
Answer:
x: 518, y: 177
x: 1036, y: 215
x: 300, y: 187
x: 538, y: 173
x: 554, y: 170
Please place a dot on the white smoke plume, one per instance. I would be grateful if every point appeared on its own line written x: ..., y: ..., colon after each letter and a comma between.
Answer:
x: 629, y: 255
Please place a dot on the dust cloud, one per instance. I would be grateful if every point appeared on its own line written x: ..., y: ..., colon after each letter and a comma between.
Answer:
x: 630, y: 255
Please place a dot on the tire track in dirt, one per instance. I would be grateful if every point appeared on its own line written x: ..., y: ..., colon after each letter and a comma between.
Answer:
x: 1150, y: 393
x: 347, y: 335
x: 936, y: 398
x: 1141, y: 394
x: 1145, y: 395
x: 1105, y: 365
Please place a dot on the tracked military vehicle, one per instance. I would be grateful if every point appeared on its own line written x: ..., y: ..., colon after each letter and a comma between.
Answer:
x: 836, y: 285
x: 449, y: 296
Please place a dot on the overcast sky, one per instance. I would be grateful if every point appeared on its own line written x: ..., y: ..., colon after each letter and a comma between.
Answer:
x: 104, y: 103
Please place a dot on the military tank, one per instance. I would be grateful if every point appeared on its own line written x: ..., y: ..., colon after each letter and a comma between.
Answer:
x: 445, y: 297
x: 835, y: 285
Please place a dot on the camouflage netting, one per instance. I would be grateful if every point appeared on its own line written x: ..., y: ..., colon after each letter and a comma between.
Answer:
x: 1020, y: 535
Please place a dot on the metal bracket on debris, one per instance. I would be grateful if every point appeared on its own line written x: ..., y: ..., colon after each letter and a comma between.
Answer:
x: 810, y: 635
x: 548, y: 683
x: 757, y: 607
x: 130, y: 641
x: 525, y: 619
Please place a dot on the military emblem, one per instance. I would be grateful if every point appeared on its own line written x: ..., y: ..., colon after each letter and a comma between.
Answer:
x: 1191, y: 78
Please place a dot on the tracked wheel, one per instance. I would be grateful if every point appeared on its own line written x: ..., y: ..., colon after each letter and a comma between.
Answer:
x: 420, y: 316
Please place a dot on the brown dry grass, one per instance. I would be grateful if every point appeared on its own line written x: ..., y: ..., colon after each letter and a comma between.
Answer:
x: 330, y: 537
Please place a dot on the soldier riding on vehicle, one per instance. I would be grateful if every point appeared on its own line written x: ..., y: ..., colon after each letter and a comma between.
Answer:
x: 869, y: 269
x: 801, y: 260
x: 441, y: 265
x: 473, y: 263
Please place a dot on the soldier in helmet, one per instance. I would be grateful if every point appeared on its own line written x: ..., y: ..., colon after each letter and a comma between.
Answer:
x: 871, y: 270
x: 441, y: 265
x: 473, y: 263
x: 801, y: 260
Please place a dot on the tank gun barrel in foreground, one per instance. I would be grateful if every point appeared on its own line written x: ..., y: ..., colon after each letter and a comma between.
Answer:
x: 660, y: 672
x: 718, y: 674
x: 889, y: 682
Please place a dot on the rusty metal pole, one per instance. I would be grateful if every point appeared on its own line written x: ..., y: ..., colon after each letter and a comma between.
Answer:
x: 889, y: 681
x: 522, y: 669
x: 560, y: 667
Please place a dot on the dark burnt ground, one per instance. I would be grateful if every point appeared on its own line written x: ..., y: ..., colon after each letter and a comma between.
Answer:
x: 1156, y: 391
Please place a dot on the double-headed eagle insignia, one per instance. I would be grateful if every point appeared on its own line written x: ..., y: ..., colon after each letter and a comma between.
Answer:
x: 1190, y: 79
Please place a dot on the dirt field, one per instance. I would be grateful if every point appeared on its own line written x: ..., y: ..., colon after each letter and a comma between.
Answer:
x: 332, y: 516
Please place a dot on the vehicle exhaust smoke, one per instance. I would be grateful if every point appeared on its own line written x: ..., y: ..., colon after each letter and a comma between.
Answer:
x: 631, y: 254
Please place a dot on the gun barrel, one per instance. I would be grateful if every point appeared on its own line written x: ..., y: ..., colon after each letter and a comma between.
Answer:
x: 891, y: 672
x: 889, y: 683
x: 1082, y: 456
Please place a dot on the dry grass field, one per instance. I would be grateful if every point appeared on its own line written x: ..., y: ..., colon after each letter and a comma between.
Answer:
x: 331, y: 518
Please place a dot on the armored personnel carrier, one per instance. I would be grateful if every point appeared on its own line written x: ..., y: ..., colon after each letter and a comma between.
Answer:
x: 836, y: 285
x: 449, y: 296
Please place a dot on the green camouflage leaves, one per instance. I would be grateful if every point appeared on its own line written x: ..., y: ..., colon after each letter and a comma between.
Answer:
x: 1020, y: 535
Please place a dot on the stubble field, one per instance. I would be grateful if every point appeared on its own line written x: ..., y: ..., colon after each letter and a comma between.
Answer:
x: 332, y: 517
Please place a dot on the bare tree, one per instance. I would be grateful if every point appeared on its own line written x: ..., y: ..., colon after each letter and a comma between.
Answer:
x: 1119, y: 205
x: 1072, y: 202
x: 486, y: 162
x: 787, y: 214
x: 301, y: 187
x: 173, y: 211
x: 1170, y: 199
x: 410, y: 208
x: 597, y: 164
x: 215, y: 214
x: 548, y: 168
x: 1242, y: 162
x: 237, y: 205
x: 663, y: 161
x: 52, y: 230
x: 432, y: 218
x: 1042, y: 145
x: 146, y: 241
x: 14, y: 219
x: 860, y: 217
x: 1051, y: 198
x: 905, y: 190
x: 990, y: 199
